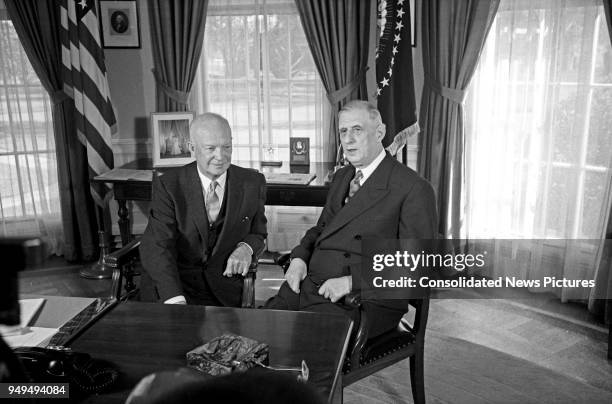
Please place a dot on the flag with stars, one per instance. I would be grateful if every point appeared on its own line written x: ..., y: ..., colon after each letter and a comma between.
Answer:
x: 394, y: 76
x: 85, y: 81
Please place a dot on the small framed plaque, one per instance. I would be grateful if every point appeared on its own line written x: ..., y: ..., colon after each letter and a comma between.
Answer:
x: 299, y: 151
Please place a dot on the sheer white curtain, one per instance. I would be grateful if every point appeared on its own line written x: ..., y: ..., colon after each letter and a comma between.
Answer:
x: 29, y: 195
x: 539, y: 146
x: 257, y: 71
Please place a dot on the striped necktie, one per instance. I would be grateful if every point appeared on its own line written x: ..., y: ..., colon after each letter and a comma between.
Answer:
x: 212, y: 202
x: 354, y: 186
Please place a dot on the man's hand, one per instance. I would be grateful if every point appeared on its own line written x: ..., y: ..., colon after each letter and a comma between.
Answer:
x: 296, y: 274
x: 238, y: 262
x: 336, y: 288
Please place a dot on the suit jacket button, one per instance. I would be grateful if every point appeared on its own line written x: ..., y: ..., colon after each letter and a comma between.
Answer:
x: 347, y: 255
x: 358, y: 237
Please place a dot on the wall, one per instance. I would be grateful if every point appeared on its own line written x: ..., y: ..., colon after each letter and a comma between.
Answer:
x: 133, y: 93
x: 132, y: 90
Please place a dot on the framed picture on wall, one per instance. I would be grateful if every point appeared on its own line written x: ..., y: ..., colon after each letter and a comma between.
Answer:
x: 170, y: 132
x: 119, y: 24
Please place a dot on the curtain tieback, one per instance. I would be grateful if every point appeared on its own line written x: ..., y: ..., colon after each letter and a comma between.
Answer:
x: 452, y: 94
x: 179, y: 96
x: 336, y: 96
x: 58, y: 97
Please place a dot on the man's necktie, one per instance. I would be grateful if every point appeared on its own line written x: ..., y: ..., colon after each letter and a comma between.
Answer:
x: 354, y: 186
x: 212, y: 202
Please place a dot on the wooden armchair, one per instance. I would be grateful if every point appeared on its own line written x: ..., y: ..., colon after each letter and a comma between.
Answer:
x: 369, y: 355
x: 123, y: 262
x: 366, y: 356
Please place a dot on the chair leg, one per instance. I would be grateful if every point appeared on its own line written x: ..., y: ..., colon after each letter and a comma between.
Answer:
x: 417, y: 377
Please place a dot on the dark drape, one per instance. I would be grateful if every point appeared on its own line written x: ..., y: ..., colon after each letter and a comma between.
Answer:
x: 177, y: 36
x: 603, y: 276
x: 338, y: 34
x: 454, y: 33
x: 38, y: 26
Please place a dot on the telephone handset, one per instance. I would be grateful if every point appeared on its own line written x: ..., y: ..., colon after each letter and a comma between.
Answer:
x: 62, y: 365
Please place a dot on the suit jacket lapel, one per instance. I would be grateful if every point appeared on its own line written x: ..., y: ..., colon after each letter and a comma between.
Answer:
x: 234, y: 195
x: 339, y: 195
x: 195, y: 201
x: 371, y: 192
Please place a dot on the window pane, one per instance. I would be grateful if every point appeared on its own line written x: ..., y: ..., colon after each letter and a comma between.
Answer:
x: 566, y: 124
x: 10, y: 198
x: 593, y: 210
x: 600, y: 139
x: 571, y: 26
x: 603, y: 64
x: 559, y: 200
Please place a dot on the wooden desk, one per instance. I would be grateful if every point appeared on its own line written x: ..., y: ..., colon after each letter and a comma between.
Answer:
x: 142, y: 338
x: 139, y: 189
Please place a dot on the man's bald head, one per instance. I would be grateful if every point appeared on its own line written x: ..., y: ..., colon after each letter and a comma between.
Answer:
x: 211, y: 139
x: 209, y: 122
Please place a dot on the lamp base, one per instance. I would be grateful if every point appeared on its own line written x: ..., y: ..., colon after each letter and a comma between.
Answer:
x: 99, y: 270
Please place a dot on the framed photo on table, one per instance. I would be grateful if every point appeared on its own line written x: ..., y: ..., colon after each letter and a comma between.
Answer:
x: 170, y: 132
x: 119, y: 24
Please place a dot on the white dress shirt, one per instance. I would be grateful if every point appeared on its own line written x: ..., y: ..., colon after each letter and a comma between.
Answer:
x: 369, y: 169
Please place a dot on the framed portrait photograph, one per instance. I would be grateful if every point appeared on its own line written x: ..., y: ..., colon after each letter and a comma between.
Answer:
x: 170, y: 132
x: 119, y: 24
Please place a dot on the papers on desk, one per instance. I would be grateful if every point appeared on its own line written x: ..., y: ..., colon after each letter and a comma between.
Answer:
x: 124, y: 174
x: 22, y: 334
x: 289, y: 178
x: 31, y: 336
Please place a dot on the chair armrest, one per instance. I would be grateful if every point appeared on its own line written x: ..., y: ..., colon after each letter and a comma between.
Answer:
x: 118, y: 258
x: 283, y: 261
x: 253, y: 267
x: 360, y: 337
x: 248, y: 284
x: 353, y: 299
x: 122, y: 261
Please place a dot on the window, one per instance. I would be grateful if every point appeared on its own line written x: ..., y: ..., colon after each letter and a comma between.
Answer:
x: 29, y: 195
x: 538, y: 122
x: 257, y: 71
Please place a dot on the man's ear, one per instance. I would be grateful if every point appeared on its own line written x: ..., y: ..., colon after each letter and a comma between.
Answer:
x: 191, y: 147
x: 381, y: 130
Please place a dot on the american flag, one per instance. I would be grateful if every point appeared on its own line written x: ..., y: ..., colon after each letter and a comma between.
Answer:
x: 394, y: 75
x: 85, y: 81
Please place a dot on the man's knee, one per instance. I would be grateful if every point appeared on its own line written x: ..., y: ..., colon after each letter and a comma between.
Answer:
x: 286, y: 299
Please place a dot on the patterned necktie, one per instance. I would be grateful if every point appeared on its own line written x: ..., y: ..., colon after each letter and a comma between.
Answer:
x: 354, y: 186
x: 212, y: 202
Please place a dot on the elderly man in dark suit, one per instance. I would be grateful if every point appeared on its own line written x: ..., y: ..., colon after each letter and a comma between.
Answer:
x: 206, y: 223
x: 374, y: 197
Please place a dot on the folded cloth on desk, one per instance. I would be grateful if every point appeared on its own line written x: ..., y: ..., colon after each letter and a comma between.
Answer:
x: 228, y: 353
x: 289, y: 178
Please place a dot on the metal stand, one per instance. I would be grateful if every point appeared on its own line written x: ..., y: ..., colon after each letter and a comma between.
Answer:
x: 99, y: 270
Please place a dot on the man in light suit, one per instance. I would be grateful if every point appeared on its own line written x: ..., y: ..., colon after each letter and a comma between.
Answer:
x: 374, y: 197
x: 206, y: 223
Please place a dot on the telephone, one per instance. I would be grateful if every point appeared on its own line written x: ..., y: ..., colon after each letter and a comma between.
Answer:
x: 62, y: 365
